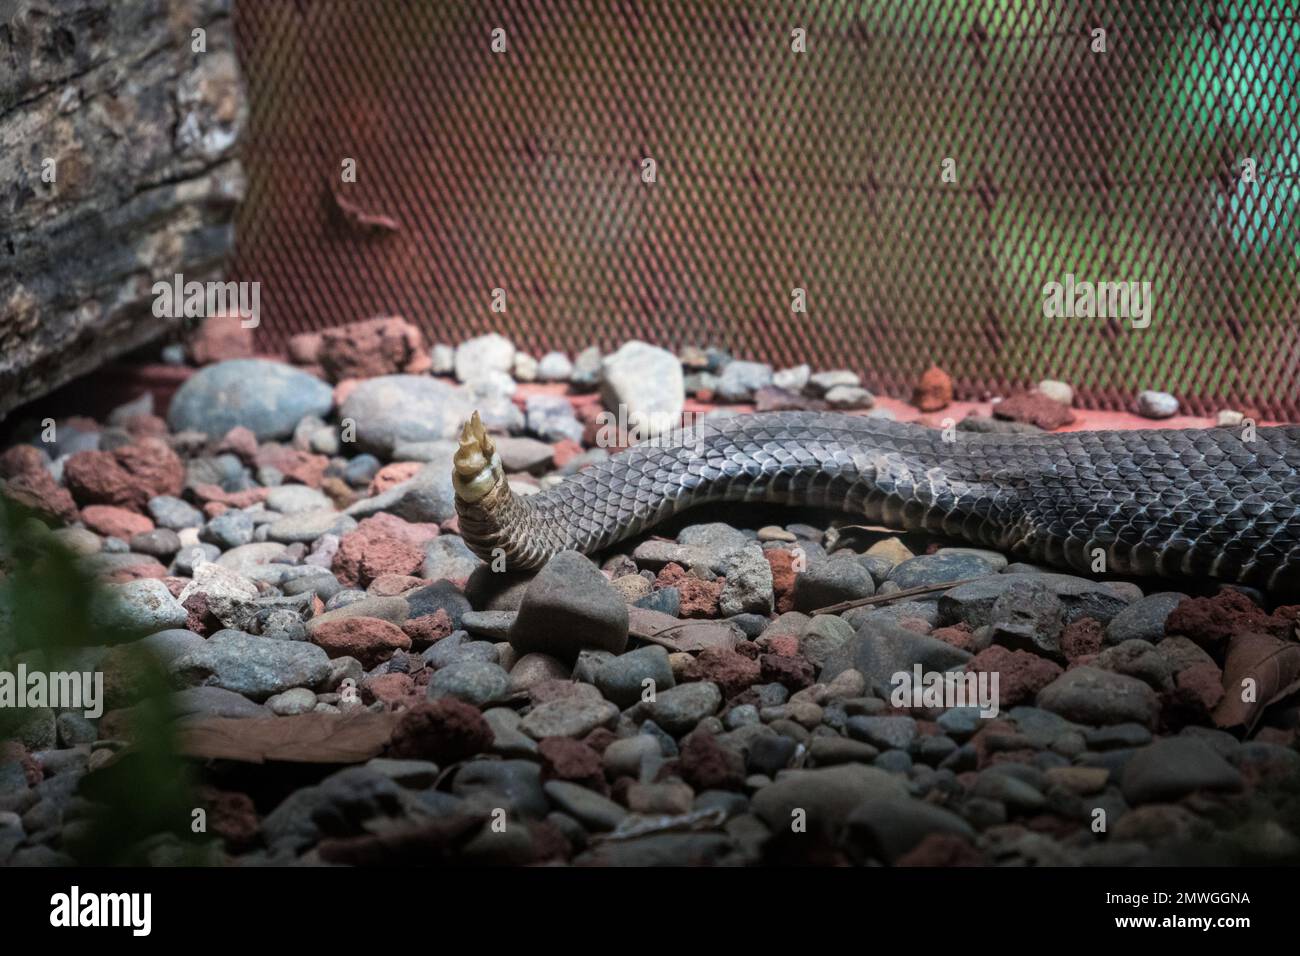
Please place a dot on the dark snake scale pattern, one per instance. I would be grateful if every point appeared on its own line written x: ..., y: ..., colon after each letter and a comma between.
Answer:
x: 1170, y: 502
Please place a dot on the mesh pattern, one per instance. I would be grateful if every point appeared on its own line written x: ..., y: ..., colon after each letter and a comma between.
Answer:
x: 778, y: 170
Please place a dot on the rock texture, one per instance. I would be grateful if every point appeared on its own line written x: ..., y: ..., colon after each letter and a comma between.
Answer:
x: 144, y: 177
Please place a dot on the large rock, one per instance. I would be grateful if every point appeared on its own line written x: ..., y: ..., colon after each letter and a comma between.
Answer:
x: 824, y: 798
x: 268, y: 398
x: 973, y: 603
x: 647, y: 382
x: 136, y: 608
x: 889, y: 826
x: 257, y: 667
x: 404, y: 408
x: 1173, y: 767
x: 1087, y: 695
x: 880, y: 649
x: 568, y: 607
x: 143, y: 193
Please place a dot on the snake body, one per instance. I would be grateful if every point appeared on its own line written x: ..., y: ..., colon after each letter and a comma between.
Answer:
x: 1218, y: 503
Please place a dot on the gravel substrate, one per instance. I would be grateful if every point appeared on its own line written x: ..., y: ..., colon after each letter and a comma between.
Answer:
x: 284, y: 543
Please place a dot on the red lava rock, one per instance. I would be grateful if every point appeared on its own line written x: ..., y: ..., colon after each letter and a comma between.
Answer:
x: 566, y: 759
x: 95, y: 477
x: 146, y: 426
x: 1021, y: 675
x: 388, y: 689
x: 241, y: 442
x: 304, y: 348
x: 783, y: 575
x: 958, y: 635
x: 428, y: 628
x: 549, y: 842
x: 175, y: 585
x: 39, y: 491
x: 1082, y: 637
x: 391, y: 585
x: 706, y: 766
x: 1197, y: 691
x: 782, y: 645
x: 699, y: 599
x: 146, y: 567
x: 385, y: 345
x: 128, y: 476
x: 391, y: 475
x: 153, y: 466
x: 369, y: 639
x: 382, y: 544
x: 732, y: 672
x: 220, y: 337
x: 1035, y: 408
x: 934, y: 391
x: 21, y: 460
x: 793, y: 673
x: 231, y: 815
x: 200, y: 621
x: 443, y: 731
x: 565, y: 451
x: 599, y: 739
x: 115, y: 522
x: 941, y: 849
x: 1211, y: 621
x: 295, y: 464
x: 215, y: 494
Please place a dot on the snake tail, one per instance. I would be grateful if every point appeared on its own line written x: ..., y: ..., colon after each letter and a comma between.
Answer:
x: 1172, y: 503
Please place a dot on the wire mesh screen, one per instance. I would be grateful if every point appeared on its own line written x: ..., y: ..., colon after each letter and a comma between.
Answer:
x: 916, y: 176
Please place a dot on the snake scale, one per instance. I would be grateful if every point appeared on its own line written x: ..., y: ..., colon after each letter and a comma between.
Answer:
x: 1171, y: 502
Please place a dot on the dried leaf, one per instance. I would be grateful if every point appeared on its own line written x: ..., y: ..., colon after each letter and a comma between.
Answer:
x: 302, y: 738
x: 677, y: 635
x: 1271, y: 662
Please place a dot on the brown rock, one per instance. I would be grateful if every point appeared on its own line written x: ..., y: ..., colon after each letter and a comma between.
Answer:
x: 428, y: 628
x: 382, y: 544
x: 115, y: 522
x: 388, y: 689
x: 934, y: 391
x: 705, y: 765
x: 1211, y: 621
x: 295, y: 464
x: 443, y: 731
x: 699, y: 599
x: 1021, y: 675
x: 369, y: 639
x: 731, y: 671
x: 241, y: 442
x: 1034, y: 408
x: 39, y: 491
x: 381, y: 346
x: 304, y: 348
x: 794, y: 673
x: 220, y: 337
x: 564, y: 758
x: 783, y: 575
x: 21, y: 460
x: 391, y: 475
x: 1082, y: 638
